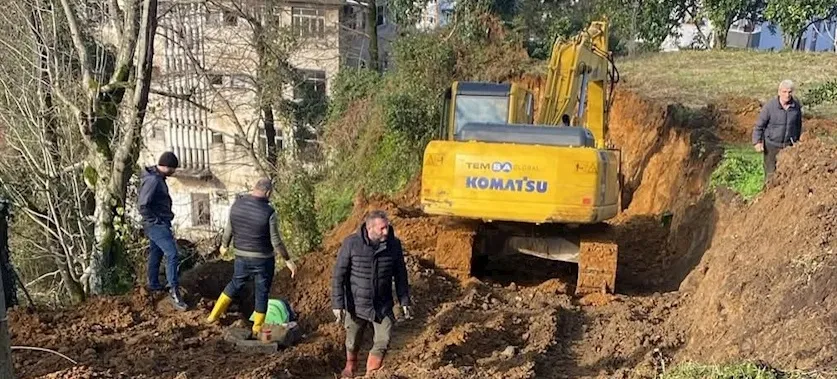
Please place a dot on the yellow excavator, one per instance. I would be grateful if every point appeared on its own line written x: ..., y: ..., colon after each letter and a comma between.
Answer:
x: 539, y: 183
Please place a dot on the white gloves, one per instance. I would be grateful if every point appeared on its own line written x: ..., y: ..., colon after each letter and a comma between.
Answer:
x: 291, y: 266
x: 339, y: 314
x: 408, y: 313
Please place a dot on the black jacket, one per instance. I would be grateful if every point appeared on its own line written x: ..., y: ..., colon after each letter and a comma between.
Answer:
x: 154, y: 201
x: 363, y: 276
x: 776, y: 126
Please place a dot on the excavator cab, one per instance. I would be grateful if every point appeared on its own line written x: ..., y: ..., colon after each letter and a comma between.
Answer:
x: 482, y: 102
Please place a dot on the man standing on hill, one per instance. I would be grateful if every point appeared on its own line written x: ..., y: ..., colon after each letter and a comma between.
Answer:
x: 253, y: 228
x: 779, y: 125
x: 361, y: 288
x: 155, y: 208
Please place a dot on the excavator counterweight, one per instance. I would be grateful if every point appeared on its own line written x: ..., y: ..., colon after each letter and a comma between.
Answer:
x: 538, y: 183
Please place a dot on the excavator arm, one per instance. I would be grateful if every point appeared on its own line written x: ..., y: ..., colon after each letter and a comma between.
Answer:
x: 577, y: 74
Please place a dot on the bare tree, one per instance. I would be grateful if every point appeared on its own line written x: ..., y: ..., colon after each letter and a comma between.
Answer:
x: 41, y: 159
x: 107, y: 94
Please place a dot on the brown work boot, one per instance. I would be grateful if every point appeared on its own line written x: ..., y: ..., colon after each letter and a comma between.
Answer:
x: 351, y: 363
x: 373, y: 363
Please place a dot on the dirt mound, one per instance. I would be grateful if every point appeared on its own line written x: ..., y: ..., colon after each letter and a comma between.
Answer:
x: 765, y: 290
x: 84, y: 372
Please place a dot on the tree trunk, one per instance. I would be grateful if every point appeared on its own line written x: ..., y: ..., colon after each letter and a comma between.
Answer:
x: 5, y: 342
x: 720, y: 38
x: 814, y: 34
x: 6, y: 367
x: 372, y: 32
x: 270, y: 134
x: 114, y: 173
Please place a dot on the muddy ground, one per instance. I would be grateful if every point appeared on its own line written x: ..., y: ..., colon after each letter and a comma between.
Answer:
x: 722, y: 281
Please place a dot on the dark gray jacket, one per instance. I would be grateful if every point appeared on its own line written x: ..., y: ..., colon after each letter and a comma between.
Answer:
x: 253, y: 229
x: 363, y: 276
x: 154, y: 201
x: 776, y: 126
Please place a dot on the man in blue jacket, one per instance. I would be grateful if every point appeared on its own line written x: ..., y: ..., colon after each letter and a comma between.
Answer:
x: 361, y: 286
x: 155, y: 208
x: 779, y: 125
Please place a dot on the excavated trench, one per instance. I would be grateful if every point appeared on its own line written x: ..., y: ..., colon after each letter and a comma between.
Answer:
x: 679, y: 273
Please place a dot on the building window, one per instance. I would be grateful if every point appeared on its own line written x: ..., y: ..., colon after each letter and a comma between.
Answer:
x: 157, y: 131
x: 313, y: 84
x: 308, y: 22
x: 200, y: 209
x: 217, y: 137
x: 230, y: 18
x: 216, y: 79
x: 354, y: 18
x: 263, y: 141
x: 385, y: 60
x: 382, y: 11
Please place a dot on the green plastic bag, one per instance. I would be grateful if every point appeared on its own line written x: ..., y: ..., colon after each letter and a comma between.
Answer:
x: 278, y: 312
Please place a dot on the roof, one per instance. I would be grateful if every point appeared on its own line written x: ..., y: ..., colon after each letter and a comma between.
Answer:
x: 483, y: 88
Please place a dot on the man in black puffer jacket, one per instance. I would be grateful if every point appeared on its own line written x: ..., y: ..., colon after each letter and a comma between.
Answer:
x: 361, y: 286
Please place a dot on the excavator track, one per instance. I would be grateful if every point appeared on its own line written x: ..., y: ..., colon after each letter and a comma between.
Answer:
x: 597, y: 263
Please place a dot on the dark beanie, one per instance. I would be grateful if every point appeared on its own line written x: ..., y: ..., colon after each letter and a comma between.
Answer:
x: 168, y: 159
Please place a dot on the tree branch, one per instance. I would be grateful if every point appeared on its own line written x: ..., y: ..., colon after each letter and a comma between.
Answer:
x: 127, y: 44
x: 81, y: 49
x: 185, y: 97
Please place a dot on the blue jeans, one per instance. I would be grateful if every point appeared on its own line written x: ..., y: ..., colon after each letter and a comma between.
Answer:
x: 161, y: 244
x: 262, y: 270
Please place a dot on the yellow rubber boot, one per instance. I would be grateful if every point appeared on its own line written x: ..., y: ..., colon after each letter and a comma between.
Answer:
x: 258, y: 321
x: 220, y: 307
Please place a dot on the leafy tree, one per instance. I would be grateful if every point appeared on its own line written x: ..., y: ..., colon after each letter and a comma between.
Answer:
x: 723, y: 13
x: 648, y: 22
x: 794, y: 17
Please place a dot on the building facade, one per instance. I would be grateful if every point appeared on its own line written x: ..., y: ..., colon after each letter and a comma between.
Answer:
x: 205, y: 105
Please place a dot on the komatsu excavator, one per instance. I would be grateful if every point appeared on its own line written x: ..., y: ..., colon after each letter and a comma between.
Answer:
x: 539, y: 183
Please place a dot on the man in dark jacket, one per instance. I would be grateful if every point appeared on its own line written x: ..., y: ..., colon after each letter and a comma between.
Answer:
x: 361, y: 286
x: 155, y: 208
x: 253, y: 228
x: 779, y: 125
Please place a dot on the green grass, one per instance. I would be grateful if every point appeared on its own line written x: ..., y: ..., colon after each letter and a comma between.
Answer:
x: 740, y: 170
x: 737, y: 371
x: 697, y: 78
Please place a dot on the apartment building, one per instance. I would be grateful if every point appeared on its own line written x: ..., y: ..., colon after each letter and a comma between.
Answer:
x: 204, y: 105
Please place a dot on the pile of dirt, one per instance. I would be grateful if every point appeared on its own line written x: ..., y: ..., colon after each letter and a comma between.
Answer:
x: 765, y: 289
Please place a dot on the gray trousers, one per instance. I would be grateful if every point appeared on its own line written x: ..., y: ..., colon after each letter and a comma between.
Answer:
x: 770, y: 153
x: 355, y: 328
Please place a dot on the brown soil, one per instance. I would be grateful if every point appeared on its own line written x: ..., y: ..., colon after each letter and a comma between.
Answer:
x: 765, y: 290
x: 518, y: 317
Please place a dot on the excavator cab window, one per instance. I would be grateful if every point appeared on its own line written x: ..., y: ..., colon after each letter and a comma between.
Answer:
x: 480, y: 108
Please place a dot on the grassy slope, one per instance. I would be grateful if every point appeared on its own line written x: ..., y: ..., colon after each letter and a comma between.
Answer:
x: 695, y: 78
x: 738, y: 371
